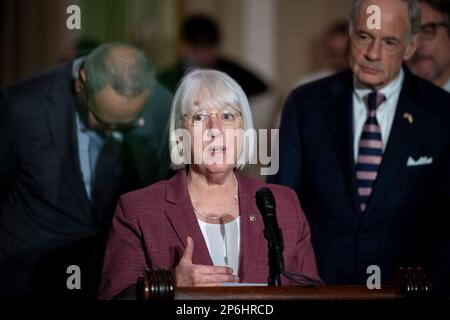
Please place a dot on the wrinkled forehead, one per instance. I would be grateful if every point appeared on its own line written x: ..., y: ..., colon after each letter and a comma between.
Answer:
x: 213, y: 96
x: 393, y: 17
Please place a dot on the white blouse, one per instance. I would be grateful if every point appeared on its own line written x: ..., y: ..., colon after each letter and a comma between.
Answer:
x: 223, y: 242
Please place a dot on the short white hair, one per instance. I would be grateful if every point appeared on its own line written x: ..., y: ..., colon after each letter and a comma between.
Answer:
x: 225, y: 92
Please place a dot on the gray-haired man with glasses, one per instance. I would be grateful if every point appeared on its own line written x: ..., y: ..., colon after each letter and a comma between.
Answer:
x: 432, y: 58
x: 368, y: 152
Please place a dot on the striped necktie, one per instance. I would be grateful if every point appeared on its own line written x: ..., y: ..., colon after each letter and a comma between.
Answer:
x: 370, y: 151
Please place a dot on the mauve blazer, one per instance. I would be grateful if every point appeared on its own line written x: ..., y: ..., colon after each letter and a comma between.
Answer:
x: 150, y: 228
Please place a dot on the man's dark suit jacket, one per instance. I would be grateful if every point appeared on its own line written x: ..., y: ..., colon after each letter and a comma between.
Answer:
x: 46, y: 218
x: 407, y: 220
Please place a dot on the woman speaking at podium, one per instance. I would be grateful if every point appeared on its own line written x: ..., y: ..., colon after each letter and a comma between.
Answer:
x: 204, y: 224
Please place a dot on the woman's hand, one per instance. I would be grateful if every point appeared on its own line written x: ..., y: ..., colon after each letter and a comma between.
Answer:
x: 194, y: 275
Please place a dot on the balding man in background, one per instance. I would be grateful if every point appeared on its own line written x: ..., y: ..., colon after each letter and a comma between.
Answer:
x: 65, y: 160
x: 432, y: 58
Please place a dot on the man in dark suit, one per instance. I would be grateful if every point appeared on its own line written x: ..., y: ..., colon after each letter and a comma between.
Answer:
x: 67, y: 153
x: 368, y: 152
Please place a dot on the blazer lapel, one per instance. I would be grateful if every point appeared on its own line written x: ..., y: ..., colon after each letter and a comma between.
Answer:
x: 340, y: 117
x: 181, y: 215
x: 398, y: 140
x: 251, y: 230
x: 61, y: 120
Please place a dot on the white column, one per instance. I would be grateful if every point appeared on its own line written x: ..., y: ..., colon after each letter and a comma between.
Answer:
x: 259, y: 36
x: 259, y: 43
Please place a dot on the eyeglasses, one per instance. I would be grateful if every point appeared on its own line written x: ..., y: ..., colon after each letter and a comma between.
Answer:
x: 428, y: 31
x: 126, y: 127
x: 138, y: 122
x: 226, y: 117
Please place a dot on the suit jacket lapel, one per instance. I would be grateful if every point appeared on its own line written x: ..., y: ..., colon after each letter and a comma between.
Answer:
x: 252, y: 237
x: 61, y: 120
x: 181, y: 215
x: 340, y: 117
x: 398, y: 140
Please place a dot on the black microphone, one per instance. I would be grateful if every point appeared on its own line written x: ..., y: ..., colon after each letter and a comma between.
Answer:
x: 267, y: 207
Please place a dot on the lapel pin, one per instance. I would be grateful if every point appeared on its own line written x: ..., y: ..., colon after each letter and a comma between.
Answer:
x: 408, y: 116
x: 252, y: 218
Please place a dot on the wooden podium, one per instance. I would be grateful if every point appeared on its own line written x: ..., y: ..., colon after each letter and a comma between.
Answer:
x: 159, y: 284
x: 323, y: 293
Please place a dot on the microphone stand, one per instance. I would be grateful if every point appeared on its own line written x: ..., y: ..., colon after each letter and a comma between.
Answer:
x: 276, y: 263
x: 266, y: 205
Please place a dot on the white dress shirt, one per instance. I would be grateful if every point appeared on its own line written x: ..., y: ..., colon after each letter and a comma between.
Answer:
x: 385, y: 112
x: 223, y: 242
x: 446, y: 86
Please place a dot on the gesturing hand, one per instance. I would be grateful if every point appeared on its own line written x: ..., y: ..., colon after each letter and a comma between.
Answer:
x: 192, y: 275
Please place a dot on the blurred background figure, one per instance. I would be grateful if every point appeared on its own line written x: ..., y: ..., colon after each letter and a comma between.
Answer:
x: 432, y: 58
x: 334, y: 52
x: 148, y: 151
x: 200, y: 48
x: 73, y: 140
